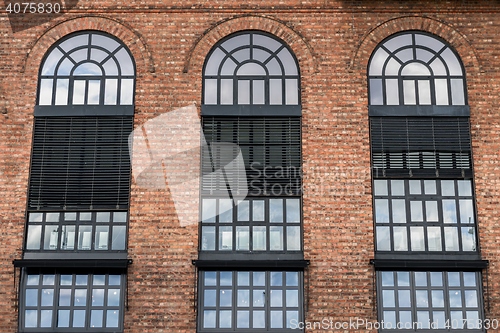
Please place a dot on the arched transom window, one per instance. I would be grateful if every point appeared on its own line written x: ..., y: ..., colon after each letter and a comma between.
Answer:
x: 416, y: 68
x: 251, y: 68
x: 89, y: 68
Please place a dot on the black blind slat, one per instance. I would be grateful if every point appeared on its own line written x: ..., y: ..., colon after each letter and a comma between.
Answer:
x: 271, y: 152
x: 422, y: 144
x: 80, y: 162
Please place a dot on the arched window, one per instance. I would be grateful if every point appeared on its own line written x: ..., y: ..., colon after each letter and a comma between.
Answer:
x: 251, y: 100
x: 255, y: 71
x: 423, y: 189
x: 79, y: 187
x: 415, y: 68
x: 88, y: 68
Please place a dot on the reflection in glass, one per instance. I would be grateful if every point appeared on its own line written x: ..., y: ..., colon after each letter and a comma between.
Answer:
x: 97, y: 297
x: 293, y: 238
x: 422, y: 298
x: 403, y: 279
x: 78, y: 318
x: 434, y: 239
x: 276, y: 319
x: 437, y: 298
x: 242, y: 238
x: 387, y: 279
x: 258, y: 210
x: 404, y: 300
x: 243, y: 319
x: 96, y: 318
x: 84, y: 237
x: 80, y: 298
x: 208, y: 238
x: 243, y: 298
x: 34, y: 237
x: 225, y: 319
x: 400, y: 239
x: 381, y: 210
x: 276, y: 238
x: 388, y: 299
x: 112, y: 318
x: 259, y: 238
x: 455, y: 298
x: 383, y: 239
x: 276, y: 298
x: 209, y: 317
x: 64, y: 297
x: 50, y: 237
x: 276, y: 210
x: 225, y: 297
x: 417, y: 239
x: 449, y: 211
x: 119, y: 235
x: 451, y: 239
x: 63, y: 318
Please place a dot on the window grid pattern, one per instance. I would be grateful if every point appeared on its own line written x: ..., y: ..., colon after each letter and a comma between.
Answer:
x: 88, y: 68
x: 60, y: 302
x: 439, y: 301
x: 238, y: 300
x: 251, y: 68
x: 424, y: 215
x: 415, y: 68
x: 253, y: 225
x: 76, y: 231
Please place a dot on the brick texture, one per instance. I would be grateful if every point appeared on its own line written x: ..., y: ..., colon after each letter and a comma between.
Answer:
x: 333, y: 41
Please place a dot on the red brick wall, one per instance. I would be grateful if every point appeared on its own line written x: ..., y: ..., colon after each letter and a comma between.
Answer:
x: 333, y: 41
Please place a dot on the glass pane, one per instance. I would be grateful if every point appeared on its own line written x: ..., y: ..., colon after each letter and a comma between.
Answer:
x: 389, y: 319
x: 112, y: 318
x: 383, y: 239
x: 259, y: 238
x: 210, y: 89
x: 451, y: 239
x: 101, y: 237
x: 114, y: 280
x: 276, y: 298
x: 466, y: 211
x: 388, y: 300
x: 243, y: 278
x: 415, y: 187
x: 34, y: 237
x: 68, y: 237
x: 225, y: 319
x: 275, y: 93
x: 454, y: 279
x: 376, y: 95
x: 409, y: 92
x: 398, y: 211
x: 403, y: 279
x: 416, y: 211
x: 469, y: 279
x: 242, y: 238
x: 455, y: 298
x: 464, y: 188
x: 259, y: 319
x: 46, y: 318
x: 47, y: 297
x: 471, y: 299
x: 50, y: 237
x: 392, y: 91
x: 437, y: 298
x: 62, y: 92
x: 225, y: 238
x: 405, y: 319
x: 84, y: 237
x: 259, y: 279
x: 225, y: 210
x: 400, y: 239
x: 417, y: 239
x: 97, y: 297
x: 210, y: 279
x: 30, y: 318
x: 457, y: 92
x: 96, y: 318
x: 111, y: 92
x: 422, y: 298
x: 209, y: 318
x: 387, y: 279
x: 127, y: 92
x: 78, y: 318
x: 439, y: 321
x: 208, y: 211
x: 80, y: 298
x: 94, y: 92
x: 243, y: 92
x: 293, y: 238
x: 243, y: 319
x: 449, y: 211
x: 258, y: 210
x: 276, y: 319
x: 226, y: 93
x: 226, y: 278
x: 293, y: 210
x: 434, y: 238
x: 292, y: 298
x: 472, y: 318
x: 31, y: 297
x: 420, y: 279
x: 431, y: 211
x: 225, y: 297
x: 468, y: 239
x: 243, y: 298
x: 63, y: 318
x: 119, y: 236
x: 423, y: 317
x: 276, y: 238
x: 424, y: 92
x: 381, y: 210
x: 436, y: 279
x: 258, y: 298
x: 276, y: 210
x: 79, y: 88
x: 208, y: 238
x: 258, y: 92
x: 243, y: 210
x: 456, y: 320
x: 404, y: 299
x: 292, y: 92
x: 113, y: 297
x: 380, y: 187
x: 64, y: 297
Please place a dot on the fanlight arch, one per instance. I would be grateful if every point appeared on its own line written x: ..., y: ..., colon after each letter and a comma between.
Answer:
x: 251, y: 68
x: 87, y: 68
x: 416, y: 68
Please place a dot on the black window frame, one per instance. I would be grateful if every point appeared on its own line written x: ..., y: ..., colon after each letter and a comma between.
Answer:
x: 56, y: 288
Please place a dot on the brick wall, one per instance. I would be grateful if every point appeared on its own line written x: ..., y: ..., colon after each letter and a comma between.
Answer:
x: 333, y: 41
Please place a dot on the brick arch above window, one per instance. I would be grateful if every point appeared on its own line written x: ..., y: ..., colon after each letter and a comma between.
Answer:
x: 131, y: 39
x: 369, y: 42
x: 297, y: 43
